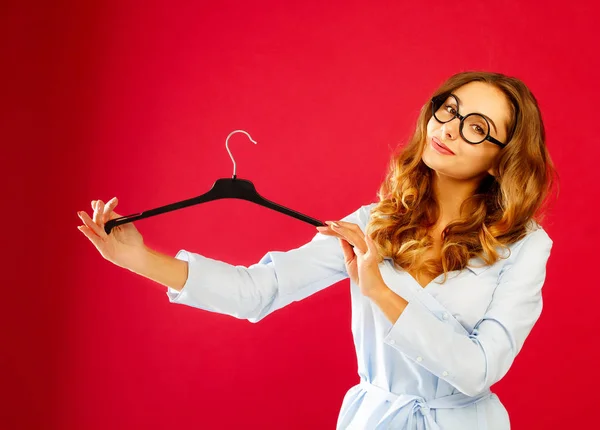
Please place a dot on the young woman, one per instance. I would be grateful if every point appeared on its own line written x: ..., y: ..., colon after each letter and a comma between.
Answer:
x: 446, y: 269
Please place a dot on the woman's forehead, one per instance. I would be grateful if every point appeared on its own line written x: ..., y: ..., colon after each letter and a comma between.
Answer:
x: 483, y: 98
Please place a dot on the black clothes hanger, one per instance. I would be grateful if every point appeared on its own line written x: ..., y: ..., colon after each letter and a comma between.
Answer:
x: 223, y: 188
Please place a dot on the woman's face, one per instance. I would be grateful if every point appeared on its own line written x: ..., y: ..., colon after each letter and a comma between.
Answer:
x: 468, y: 161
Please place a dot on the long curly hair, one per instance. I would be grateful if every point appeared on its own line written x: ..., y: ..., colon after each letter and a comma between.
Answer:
x: 499, y: 210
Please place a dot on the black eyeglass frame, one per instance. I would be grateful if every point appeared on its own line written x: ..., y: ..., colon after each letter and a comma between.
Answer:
x: 462, y: 120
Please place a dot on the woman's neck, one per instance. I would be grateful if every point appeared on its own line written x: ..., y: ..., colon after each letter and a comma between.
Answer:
x: 450, y: 193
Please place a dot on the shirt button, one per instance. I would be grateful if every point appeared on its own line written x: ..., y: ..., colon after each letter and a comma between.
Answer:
x: 445, y: 315
x: 392, y: 342
x: 419, y: 359
x: 444, y: 373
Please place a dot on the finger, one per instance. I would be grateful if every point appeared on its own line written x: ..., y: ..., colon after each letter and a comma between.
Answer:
x: 329, y: 232
x: 351, y: 235
x: 90, y: 224
x: 373, y: 250
x: 90, y: 235
x: 98, y: 213
x: 369, y: 252
x: 358, y: 251
x: 110, y: 205
x: 350, y: 226
x: 347, y: 250
x: 369, y: 242
x: 94, y: 216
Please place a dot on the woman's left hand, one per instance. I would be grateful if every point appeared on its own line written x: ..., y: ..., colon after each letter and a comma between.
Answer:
x: 360, y: 255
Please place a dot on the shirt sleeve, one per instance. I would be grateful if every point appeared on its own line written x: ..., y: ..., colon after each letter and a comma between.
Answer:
x: 276, y: 280
x: 472, y: 362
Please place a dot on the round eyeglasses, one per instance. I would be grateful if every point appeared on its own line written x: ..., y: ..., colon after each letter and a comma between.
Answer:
x: 445, y: 109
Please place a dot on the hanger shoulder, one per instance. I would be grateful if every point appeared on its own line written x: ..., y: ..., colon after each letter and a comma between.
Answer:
x: 248, y: 192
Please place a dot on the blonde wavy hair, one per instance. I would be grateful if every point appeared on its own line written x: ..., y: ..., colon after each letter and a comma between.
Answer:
x: 499, y: 210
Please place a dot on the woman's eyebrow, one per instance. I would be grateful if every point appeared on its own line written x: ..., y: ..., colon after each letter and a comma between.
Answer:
x: 491, y: 120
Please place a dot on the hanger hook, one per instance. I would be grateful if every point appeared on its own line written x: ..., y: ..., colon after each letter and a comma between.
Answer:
x: 227, y: 146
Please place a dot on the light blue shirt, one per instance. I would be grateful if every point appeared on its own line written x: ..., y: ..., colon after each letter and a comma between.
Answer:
x: 432, y: 369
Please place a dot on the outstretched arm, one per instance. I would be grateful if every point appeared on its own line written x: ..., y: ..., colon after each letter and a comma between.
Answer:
x: 278, y: 279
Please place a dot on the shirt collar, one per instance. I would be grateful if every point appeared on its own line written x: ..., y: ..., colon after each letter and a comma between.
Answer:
x: 477, y: 265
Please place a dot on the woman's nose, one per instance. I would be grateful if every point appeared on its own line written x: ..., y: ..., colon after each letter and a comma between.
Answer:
x: 451, y: 128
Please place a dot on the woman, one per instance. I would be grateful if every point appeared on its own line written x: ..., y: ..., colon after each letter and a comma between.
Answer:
x: 446, y: 282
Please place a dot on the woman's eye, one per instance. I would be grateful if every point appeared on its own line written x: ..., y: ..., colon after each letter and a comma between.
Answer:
x: 450, y: 109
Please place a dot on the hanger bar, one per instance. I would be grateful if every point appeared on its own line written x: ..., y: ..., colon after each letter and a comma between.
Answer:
x: 223, y: 188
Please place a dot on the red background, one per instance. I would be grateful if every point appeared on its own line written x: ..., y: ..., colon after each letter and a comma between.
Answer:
x: 135, y: 99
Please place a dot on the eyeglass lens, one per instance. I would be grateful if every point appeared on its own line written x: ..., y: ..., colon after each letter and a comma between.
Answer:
x: 475, y: 128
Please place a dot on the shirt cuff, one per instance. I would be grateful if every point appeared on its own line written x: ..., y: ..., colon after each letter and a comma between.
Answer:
x: 421, y: 336
x: 178, y: 295
x: 196, y: 265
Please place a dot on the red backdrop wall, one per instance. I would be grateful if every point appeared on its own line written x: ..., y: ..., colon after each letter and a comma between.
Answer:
x: 135, y: 99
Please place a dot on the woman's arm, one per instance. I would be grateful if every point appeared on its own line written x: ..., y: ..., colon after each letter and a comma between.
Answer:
x: 390, y: 303
x: 253, y: 292
x: 164, y: 269
x: 472, y: 362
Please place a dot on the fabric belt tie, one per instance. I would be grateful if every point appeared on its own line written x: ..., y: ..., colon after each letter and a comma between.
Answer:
x: 420, y: 410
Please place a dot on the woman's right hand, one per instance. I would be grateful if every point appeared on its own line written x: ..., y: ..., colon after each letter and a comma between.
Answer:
x: 124, y: 246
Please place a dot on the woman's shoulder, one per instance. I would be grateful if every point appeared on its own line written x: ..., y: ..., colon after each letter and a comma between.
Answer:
x: 363, y: 214
x: 532, y: 250
x: 535, y: 234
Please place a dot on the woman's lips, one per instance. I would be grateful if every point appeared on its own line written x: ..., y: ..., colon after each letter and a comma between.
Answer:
x: 440, y: 147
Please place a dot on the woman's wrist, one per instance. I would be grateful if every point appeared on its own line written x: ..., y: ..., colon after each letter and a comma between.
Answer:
x: 390, y: 303
x: 161, y: 268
